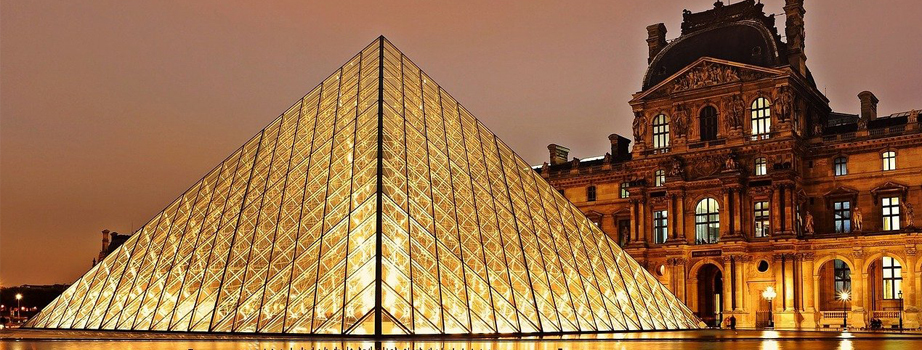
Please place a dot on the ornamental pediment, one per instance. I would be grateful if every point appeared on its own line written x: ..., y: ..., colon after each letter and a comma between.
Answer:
x: 707, y: 72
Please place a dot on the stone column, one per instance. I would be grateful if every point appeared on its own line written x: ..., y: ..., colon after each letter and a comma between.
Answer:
x: 791, y: 212
x: 808, y: 295
x: 725, y: 215
x: 740, y: 283
x: 644, y: 233
x: 789, y: 281
x: 738, y: 212
x: 634, y: 221
x: 680, y: 217
x: 910, y: 291
x: 776, y: 210
x: 857, y: 317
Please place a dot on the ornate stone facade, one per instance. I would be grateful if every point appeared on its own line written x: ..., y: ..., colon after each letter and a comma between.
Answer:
x: 761, y: 184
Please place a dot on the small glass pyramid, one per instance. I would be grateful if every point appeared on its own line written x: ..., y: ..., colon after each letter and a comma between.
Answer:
x: 375, y: 205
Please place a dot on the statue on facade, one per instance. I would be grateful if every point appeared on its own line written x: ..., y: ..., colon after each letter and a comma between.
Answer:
x: 907, y: 209
x: 640, y: 127
x: 785, y: 103
x: 856, y: 218
x: 680, y: 120
x: 676, y: 167
x: 737, y: 111
x: 808, y: 224
x: 730, y: 163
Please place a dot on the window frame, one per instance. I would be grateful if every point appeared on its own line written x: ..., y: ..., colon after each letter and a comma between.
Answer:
x: 623, y: 190
x: 708, y: 124
x: 659, y: 178
x: 894, y: 282
x: 888, y: 160
x: 591, y: 193
x: 760, y: 163
x: 842, y: 274
x: 840, y: 166
x: 842, y: 216
x: 661, y: 136
x: 707, y: 223
x: 890, y: 213
x: 660, y: 226
x: 760, y: 116
x: 761, y: 218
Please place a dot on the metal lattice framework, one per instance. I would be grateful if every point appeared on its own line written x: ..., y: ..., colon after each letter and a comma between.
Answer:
x: 374, y: 205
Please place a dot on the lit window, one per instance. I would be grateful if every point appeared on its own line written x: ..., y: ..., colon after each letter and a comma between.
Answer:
x: 660, y: 132
x: 761, y: 118
x: 890, y: 207
x: 762, y: 219
x: 843, y: 276
x: 761, y: 168
x: 659, y: 178
x: 708, y: 123
x: 840, y: 166
x: 660, y: 226
x: 893, y: 278
x: 707, y: 221
x: 889, y: 159
x: 624, y: 192
x: 842, y: 215
x: 590, y: 193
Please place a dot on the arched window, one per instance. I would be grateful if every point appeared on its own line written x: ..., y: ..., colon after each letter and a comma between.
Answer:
x: 892, y: 278
x: 843, y: 276
x: 707, y: 221
x: 659, y: 178
x: 708, y: 123
x: 889, y: 160
x: 761, y: 118
x: 760, y: 166
x: 660, y: 132
x: 840, y: 166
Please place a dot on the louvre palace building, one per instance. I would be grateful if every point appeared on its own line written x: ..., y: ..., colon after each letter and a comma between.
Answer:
x: 745, y: 194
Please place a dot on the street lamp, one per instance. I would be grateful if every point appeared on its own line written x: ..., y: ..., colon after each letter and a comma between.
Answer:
x: 18, y: 305
x: 844, y: 296
x: 900, y: 294
x: 769, y: 294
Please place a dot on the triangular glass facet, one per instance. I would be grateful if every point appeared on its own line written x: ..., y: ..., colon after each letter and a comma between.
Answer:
x: 376, y: 204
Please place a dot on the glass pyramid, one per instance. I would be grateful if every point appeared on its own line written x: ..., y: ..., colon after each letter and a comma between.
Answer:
x: 374, y: 205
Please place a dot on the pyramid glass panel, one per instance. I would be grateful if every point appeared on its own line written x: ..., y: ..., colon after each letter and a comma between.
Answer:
x: 374, y: 205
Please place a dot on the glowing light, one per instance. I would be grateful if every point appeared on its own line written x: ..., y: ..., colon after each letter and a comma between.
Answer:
x: 769, y: 293
x: 844, y: 295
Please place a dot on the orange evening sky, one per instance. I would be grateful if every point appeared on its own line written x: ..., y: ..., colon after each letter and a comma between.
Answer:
x: 110, y: 109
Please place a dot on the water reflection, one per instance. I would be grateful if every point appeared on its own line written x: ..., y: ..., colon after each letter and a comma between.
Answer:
x: 762, y: 340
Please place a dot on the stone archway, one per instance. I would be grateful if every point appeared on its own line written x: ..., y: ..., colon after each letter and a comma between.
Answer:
x: 710, y: 294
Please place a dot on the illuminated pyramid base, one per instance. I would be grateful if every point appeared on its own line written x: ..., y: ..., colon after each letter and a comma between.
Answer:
x: 374, y: 205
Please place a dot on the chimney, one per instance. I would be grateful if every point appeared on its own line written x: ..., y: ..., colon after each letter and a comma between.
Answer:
x: 794, y: 30
x: 619, y: 147
x: 105, y: 240
x: 656, y: 39
x: 868, y: 105
x: 558, y: 153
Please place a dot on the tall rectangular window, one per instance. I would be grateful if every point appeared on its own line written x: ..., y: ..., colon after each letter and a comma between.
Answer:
x: 624, y: 192
x: 842, y: 216
x: 892, y: 278
x: 762, y: 219
x: 659, y: 178
x: 761, y: 118
x: 590, y: 193
x: 889, y: 160
x: 840, y: 165
x: 890, y: 210
x: 707, y: 123
x: 660, y: 132
x: 660, y: 226
x: 761, y: 166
